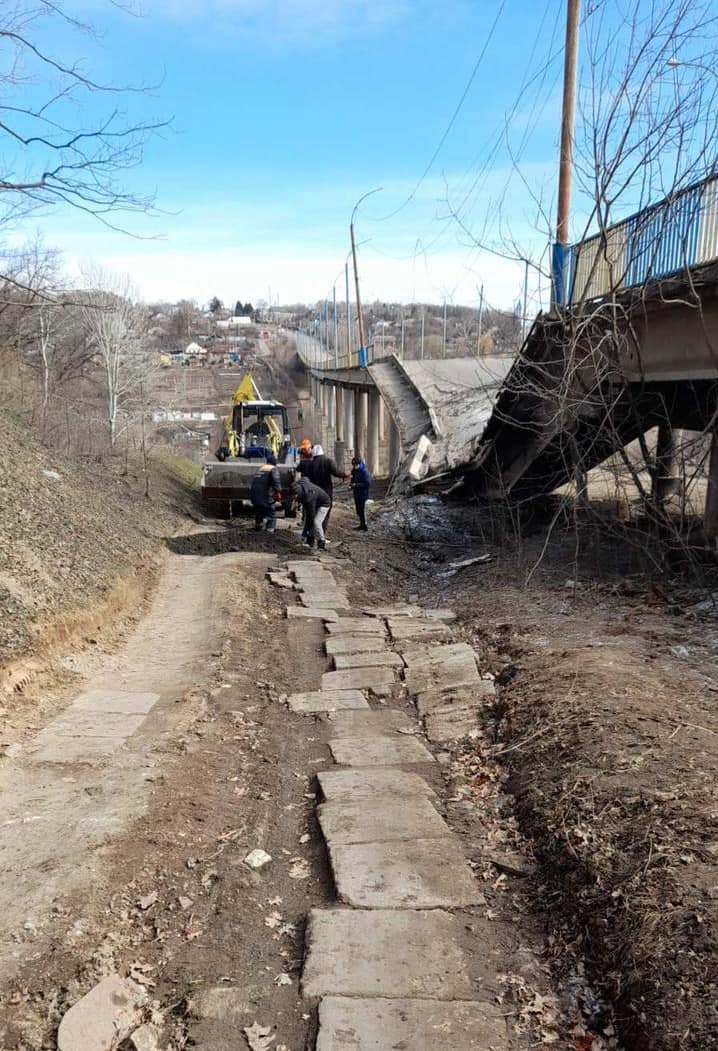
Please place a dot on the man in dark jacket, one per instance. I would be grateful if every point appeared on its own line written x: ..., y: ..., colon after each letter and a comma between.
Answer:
x: 322, y: 473
x: 265, y: 489
x: 315, y: 504
x: 360, y: 483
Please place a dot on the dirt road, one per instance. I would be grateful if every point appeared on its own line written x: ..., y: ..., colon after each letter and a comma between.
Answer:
x: 132, y: 859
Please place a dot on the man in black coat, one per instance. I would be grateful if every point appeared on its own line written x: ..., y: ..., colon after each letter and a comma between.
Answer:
x: 323, y: 472
x: 315, y: 504
x: 266, y: 487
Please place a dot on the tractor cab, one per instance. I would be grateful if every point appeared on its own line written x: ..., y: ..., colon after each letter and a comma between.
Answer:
x: 256, y: 429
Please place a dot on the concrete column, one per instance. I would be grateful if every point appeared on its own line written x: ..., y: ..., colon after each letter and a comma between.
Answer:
x: 664, y: 479
x: 360, y: 422
x: 349, y: 421
x: 710, y: 517
x: 382, y: 420
x: 340, y: 414
x: 394, y: 445
x: 373, y: 414
x: 332, y: 407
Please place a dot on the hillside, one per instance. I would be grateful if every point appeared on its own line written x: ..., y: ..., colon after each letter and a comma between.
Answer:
x: 72, y: 534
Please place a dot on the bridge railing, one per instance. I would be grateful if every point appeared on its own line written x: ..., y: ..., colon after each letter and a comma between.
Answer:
x: 662, y: 240
x: 315, y: 354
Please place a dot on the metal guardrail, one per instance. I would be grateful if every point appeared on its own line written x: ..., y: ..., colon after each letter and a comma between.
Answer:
x: 664, y: 239
x: 315, y: 354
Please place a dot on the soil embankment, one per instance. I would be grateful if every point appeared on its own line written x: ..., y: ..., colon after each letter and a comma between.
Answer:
x: 80, y: 544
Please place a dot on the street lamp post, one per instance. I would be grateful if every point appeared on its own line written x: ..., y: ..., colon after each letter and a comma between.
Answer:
x: 362, y: 347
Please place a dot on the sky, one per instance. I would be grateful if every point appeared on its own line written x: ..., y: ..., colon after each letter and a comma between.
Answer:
x: 284, y: 113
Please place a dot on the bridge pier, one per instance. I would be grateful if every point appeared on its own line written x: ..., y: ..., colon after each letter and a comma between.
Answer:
x: 710, y: 516
x: 394, y: 445
x: 664, y: 478
x: 373, y: 432
x: 360, y: 422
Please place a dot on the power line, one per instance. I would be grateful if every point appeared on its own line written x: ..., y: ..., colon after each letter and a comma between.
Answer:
x: 450, y: 125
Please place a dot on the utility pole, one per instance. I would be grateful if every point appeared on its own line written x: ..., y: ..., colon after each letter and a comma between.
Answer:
x: 559, y: 291
x: 336, y: 327
x: 403, y: 328
x: 349, y: 319
x: 481, y: 321
x: 524, y: 317
x: 360, y: 319
x: 422, y: 334
x: 444, y: 328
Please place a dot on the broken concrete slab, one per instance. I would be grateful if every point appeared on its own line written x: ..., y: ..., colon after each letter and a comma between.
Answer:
x: 357, y: 626
x: 379, y: 751
x: 384, y: 723
x: 317, y: 582
x: 372, y: 785
x: 452, y: 724
x: 389, y: 953
x: 375, y: 1023
x: 115, y: 701
x: 425, y: 873
x: 403, y: 628
x: 322, y: 701
x: 455, y: 696
x: 221, y: 1003
x: 102, y: 1019
x: 281, y: 580
x: 446, y: 616
x: 355, y: 822
x: 399, y: 609
x: 337, y: 644
x: 364, y: 659
x: 312, y: 611
x: 358, y: 678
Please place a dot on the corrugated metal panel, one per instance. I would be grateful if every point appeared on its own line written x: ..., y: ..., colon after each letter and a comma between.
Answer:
x: 657, y: 242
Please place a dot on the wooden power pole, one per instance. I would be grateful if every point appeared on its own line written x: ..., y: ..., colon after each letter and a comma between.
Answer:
x: 568, y: 124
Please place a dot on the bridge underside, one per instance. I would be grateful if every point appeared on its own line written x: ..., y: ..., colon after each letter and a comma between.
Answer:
x: 590, y: 382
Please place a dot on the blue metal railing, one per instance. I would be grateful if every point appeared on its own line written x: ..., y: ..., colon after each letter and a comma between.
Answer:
x: 664, y: 239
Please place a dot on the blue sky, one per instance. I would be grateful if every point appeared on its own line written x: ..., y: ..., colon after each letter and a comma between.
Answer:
x: 286, y: 112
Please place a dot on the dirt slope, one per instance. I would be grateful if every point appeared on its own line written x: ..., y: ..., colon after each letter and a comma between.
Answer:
x: 71, y: 537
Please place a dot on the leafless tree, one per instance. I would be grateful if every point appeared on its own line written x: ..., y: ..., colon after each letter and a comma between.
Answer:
x: 52, y: 154
x: 116, y: 326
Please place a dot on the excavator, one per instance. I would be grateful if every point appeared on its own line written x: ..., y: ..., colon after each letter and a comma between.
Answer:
x: 254, y: 428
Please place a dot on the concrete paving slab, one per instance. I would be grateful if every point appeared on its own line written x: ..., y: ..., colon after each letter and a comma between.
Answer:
x: 327, y: 701
x: 325, y: 600
x: 376, y: 1024
x: 456, y: 671
x: 57, y: 748
x: 452, y: 724
x: 447, y: 616
x: 381, y: 723
x: 391, y: 822
x: 388, y: 953
x: 372, y: 659
x: 80, y: 723
x: 433, y: 653
x: 399, y: 609
x: 304, y: 612
x: 358, y: 626
x: 115, y: 701
x: 372, y: 785
x: 379, y: 751
x: 401, y: 628
x: 317, y: 582
x: 455, y: 696
x: 358, y: 678
x: 369, y: 643
x: 419, y: 874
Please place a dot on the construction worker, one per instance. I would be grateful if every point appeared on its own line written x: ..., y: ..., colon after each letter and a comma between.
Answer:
x: 315, y: 504
x: 322, y: 473
x: 360, y: 483
x: 266, y: 487
x: 305, y: 457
